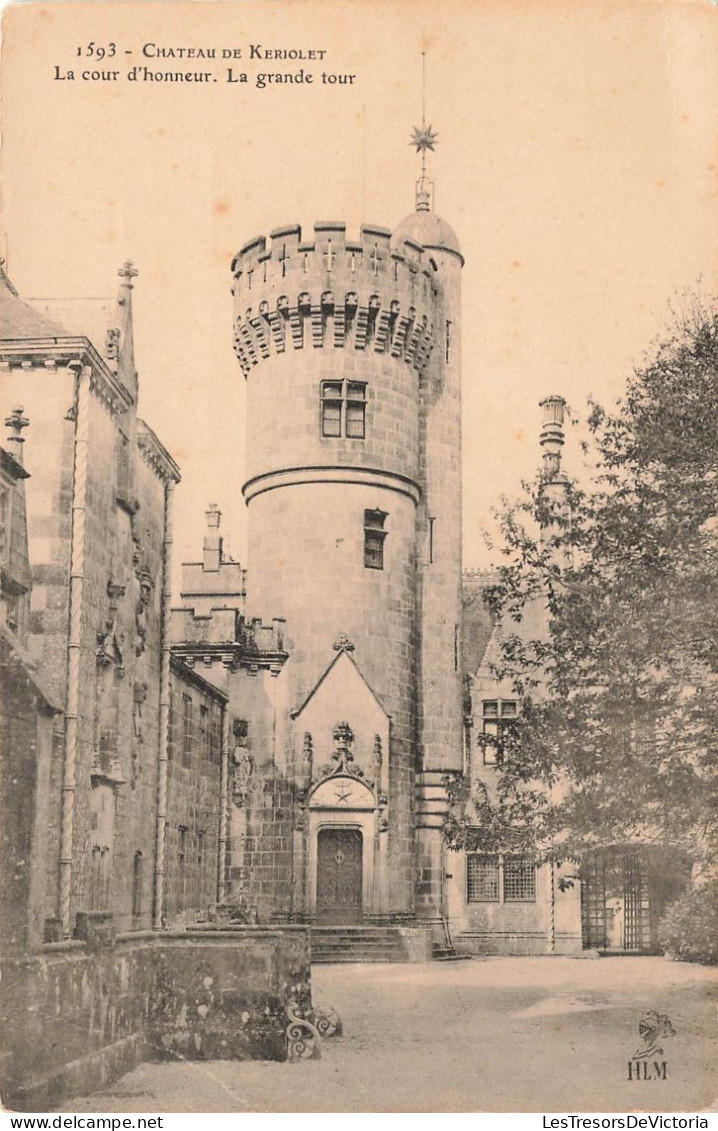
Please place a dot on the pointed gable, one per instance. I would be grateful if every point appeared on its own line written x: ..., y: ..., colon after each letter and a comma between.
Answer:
x: 343, y: 694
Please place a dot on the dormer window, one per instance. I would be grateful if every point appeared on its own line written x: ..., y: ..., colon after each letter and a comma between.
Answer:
x: 498, y: 716
x: 343, y: 409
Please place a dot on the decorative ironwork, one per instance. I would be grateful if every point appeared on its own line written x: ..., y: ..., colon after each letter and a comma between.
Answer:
x: 328, y: 1022
x: 303, y: 1038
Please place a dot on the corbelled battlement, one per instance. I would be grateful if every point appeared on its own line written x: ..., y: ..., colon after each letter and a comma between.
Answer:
x: 286, y: 254
x: 335, y: 293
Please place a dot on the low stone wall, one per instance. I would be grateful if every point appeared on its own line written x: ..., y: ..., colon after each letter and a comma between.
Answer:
x: 74, y: 1018
x: 515, y: 943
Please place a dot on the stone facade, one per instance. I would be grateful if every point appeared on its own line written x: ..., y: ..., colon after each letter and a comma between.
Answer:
x: 114, y: 755
x: 96, y: 527
x: 195, y: 835
x: 346, y: 705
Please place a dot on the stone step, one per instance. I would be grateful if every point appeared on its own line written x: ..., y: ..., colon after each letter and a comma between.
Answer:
x: 356, y: 944
x: 350, y: 929
x: 346, y: 936
x: 363, y: 951
x: 448, y: 954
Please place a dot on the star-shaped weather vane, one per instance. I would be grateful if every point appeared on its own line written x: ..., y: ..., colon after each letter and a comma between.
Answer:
x: 424, y: 138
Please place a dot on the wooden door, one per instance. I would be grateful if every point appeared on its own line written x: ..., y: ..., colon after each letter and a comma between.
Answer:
x: 339, y: 875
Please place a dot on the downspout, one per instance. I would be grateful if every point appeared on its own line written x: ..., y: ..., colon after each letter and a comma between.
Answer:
x: 74, y: 641
x: 223, y: 814
x: 164, y: 711
x: 552, y: 911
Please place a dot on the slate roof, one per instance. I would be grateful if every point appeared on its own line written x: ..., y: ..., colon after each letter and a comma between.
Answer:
x: 18, y: 320
x: 477, y: 622
x: 82, y: 317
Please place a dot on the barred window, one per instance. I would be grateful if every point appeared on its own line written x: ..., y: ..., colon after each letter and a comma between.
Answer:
x: 482, y: 879
x: 343, y: 409
x: 374, y: 535
x: 500, y: 879
x: 519, y: 879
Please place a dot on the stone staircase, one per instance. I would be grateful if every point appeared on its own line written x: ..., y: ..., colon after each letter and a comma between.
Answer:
x: 357, y: 944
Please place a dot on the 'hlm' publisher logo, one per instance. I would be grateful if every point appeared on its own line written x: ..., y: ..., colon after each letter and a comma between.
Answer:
x: 653, y: 1029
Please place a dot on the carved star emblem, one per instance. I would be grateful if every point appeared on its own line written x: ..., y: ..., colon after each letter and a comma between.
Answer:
x: 424, y: 138
x: 343, y: 793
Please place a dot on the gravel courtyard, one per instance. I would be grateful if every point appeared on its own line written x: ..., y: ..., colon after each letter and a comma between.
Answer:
x: 492, y: 1034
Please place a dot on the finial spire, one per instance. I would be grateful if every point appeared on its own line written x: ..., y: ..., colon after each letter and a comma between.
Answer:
x: 127, y: 272
x: 424, y: 139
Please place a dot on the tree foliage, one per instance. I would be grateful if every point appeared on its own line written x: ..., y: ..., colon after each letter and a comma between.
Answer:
x: 608, y: 601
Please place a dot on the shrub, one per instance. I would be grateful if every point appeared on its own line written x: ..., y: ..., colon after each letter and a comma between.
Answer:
x: 688, y: 931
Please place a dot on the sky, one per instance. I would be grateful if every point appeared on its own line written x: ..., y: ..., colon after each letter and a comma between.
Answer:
x: 575, y: 160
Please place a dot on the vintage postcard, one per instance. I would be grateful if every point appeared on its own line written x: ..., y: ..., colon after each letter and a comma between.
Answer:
x: 307, y: 806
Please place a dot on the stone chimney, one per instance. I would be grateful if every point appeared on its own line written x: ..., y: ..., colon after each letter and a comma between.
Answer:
x: 16, y: 421
x: 554, y: 481
x: 212, y: 552
x: 552, y: 438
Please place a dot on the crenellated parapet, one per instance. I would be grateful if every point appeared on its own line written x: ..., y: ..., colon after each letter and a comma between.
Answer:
x: 229, y: 638
x: 333, y: 293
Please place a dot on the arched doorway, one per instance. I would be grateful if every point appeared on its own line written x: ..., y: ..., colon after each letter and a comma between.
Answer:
x: 340, y: 866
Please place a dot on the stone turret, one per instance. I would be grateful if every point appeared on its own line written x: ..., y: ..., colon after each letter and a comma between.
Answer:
x: 350, y: 349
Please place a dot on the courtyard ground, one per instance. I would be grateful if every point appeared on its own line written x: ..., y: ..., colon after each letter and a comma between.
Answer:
x: 492, y: 1034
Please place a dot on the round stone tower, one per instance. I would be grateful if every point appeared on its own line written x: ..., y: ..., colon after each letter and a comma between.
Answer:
x: 351, y: 355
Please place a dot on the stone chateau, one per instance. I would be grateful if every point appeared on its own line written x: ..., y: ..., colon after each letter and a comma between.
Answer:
x: 195, y: 788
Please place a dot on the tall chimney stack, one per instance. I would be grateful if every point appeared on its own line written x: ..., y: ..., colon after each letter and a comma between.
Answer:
x: 552, y: 438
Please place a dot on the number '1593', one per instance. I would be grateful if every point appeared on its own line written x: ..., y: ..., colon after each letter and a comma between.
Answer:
x: 95, y: 51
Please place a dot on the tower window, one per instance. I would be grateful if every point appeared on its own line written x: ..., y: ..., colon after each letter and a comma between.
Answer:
x: 344, y: 409
x: 374, y: 535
